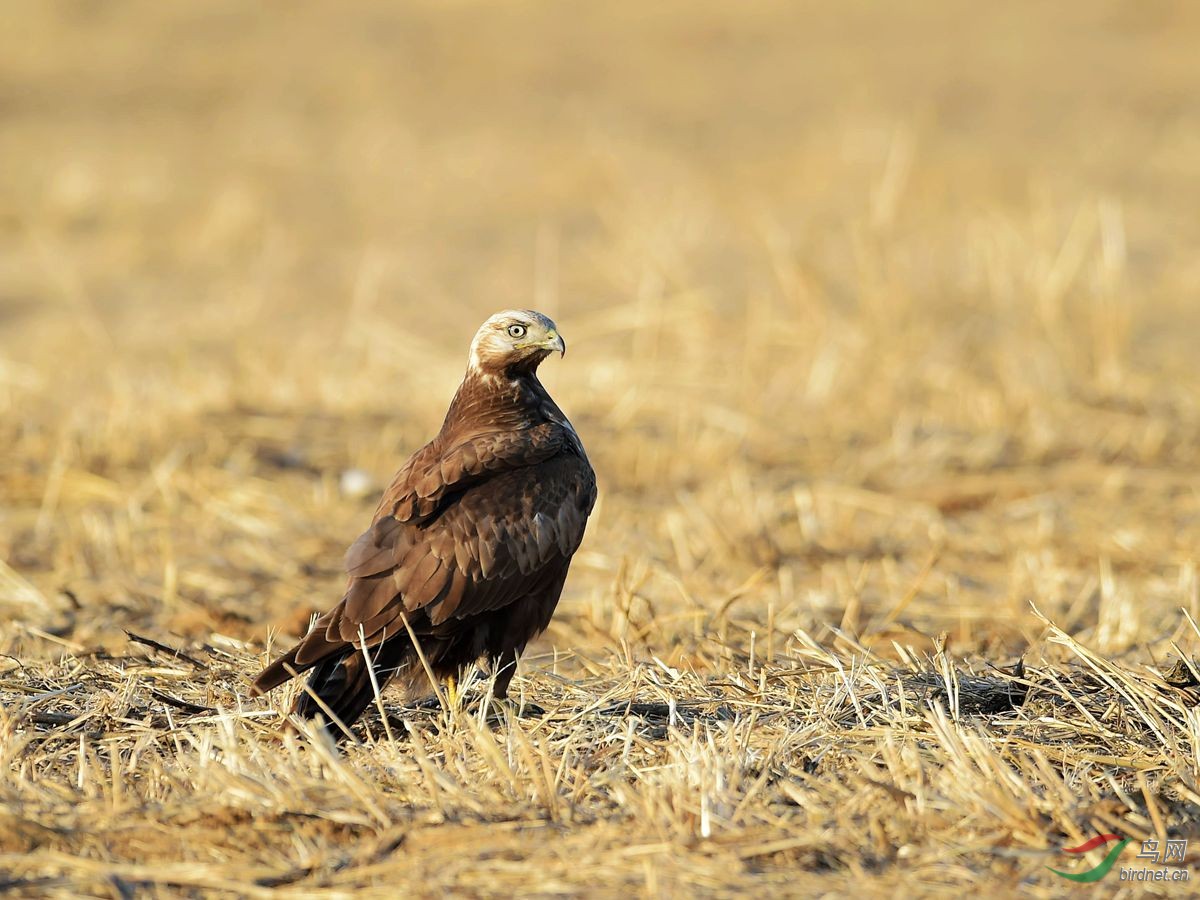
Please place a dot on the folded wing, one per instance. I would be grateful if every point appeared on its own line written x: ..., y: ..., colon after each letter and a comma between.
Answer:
x: 460, y: 532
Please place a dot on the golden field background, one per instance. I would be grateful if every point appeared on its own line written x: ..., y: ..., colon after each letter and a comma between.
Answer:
x: 883, y: 325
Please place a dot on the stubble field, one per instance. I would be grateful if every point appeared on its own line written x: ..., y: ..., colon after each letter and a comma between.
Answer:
x: 883, y: 328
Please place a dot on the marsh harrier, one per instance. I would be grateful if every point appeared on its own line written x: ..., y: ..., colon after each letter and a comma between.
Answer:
x: 471, y: 542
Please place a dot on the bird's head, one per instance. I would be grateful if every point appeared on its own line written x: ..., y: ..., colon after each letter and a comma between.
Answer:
x: 513, y: 342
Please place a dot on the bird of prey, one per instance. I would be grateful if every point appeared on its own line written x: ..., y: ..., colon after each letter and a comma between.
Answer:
x: 470, y: 546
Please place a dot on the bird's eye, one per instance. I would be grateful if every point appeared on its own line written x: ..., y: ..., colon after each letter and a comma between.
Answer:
x: 517, y: 331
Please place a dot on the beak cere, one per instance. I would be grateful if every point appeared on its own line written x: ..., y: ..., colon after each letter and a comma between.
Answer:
x: 557, y: 343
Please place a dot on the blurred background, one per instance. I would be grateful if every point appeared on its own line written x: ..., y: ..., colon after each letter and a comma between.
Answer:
x: 882, y: 317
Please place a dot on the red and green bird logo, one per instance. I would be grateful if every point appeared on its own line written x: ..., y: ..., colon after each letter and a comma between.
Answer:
x: 1107, y: 863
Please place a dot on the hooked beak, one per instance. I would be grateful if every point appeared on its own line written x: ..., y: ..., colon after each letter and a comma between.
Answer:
x: 554, y: 341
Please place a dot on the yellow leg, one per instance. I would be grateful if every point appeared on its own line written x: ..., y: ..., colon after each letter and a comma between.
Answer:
x: 451, y: 692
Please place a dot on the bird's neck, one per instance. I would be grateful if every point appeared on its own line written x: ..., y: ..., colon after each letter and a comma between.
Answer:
x: 498, y: 401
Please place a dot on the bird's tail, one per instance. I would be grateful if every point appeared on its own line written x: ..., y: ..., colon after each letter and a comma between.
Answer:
x: 340, y: 687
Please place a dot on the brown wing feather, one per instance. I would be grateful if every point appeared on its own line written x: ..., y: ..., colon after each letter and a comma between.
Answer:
x: 488, y: 548
x: 417, y: 491
x: 512, y: 528
x: 374, y: 550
